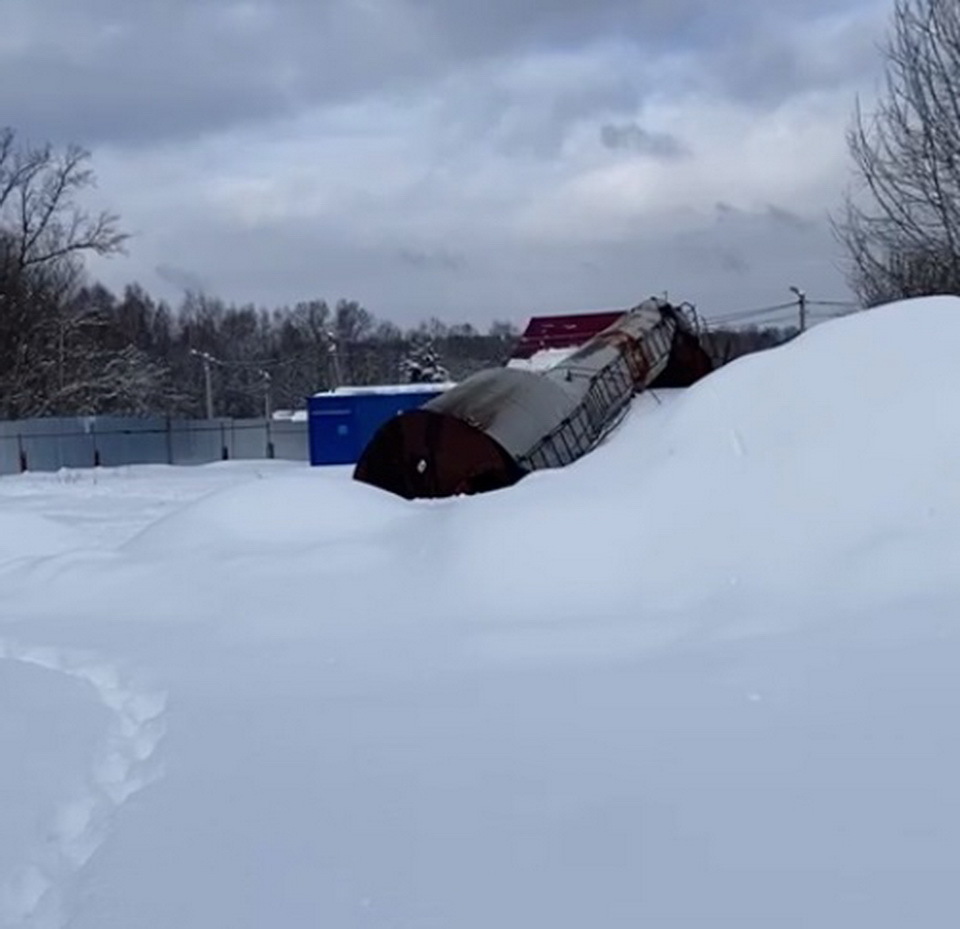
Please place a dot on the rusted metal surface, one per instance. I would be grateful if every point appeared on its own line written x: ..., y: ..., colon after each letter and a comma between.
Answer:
x: 424, y: 453
x: 507, y: 404
x: 502, y: 423
x: 602, y: 377
x: 688, y: 362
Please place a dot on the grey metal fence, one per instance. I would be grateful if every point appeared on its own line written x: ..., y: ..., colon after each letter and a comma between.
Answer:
x: 107, y: 441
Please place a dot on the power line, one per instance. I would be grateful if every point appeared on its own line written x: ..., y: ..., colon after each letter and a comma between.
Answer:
x: 746, y: 315
x: 751, y: 314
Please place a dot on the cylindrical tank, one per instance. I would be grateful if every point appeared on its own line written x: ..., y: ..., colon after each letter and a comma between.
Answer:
x: 500, y: 424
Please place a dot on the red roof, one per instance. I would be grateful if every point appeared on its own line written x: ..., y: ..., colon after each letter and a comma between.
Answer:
x: 562, y: 331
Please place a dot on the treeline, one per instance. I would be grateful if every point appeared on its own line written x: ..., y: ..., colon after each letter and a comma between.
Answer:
x: 68, y: 347
x: 132, y: 354
x: 100, y: 353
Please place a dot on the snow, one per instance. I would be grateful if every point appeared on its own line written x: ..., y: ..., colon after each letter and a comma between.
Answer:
x: 291, y: 416
x: 32, y: 535
x: 706, y: 676
x: 388, y: 389
x: 544, y: 359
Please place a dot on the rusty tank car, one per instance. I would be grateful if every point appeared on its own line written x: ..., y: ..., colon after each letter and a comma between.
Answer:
x: 501, y: 424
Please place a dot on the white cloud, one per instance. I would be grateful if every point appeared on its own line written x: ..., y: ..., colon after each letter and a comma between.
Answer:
x: 793, y: 155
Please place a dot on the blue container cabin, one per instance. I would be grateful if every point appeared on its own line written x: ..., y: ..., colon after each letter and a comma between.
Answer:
x: 342, y: 421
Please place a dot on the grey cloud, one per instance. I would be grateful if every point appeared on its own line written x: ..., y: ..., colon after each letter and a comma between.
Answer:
x: 538, y: 123
x: 180, y: 278
x: 438, y: 260
x: 782, y: 58
x: 633, y: 137
x: 772, y: 215
x: 139, y: 72
x: 789, y: 218
x: 733, y: 261
x: 740, y: 245
x: 499, y: 26
x: 525, y: 114
x: 709, y: 253
x: 115, y: 71
x: 718, y: 269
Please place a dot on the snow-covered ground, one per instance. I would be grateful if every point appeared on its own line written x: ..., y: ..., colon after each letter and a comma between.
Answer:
x: 705, y: 677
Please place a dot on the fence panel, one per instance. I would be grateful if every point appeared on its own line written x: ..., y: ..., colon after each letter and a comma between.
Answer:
x: 197, y: 442
x: 248, y: 439
x: 131, y: 441
x: 289, y: 440
x: 110, y: 441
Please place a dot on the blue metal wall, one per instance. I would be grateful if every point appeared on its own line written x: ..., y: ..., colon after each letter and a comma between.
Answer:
x: 51, y: 443
x: 341, y: 424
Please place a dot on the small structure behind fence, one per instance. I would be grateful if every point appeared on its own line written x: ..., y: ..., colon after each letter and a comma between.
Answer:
x: 49, y: 444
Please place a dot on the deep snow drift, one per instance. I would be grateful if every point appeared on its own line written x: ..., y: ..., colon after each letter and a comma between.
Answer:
x: 704, y: 677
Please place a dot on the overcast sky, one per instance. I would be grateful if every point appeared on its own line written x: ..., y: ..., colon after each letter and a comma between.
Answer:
x: 456, y: 158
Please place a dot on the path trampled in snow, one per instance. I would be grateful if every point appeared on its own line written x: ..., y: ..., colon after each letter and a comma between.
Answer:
x: 37, y: 893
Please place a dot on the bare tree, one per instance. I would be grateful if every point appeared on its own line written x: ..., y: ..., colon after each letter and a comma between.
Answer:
x: 39, y: 214
x: 352, y: 323
x: 44, y: 234
x: 901, y: 221
x: 504, y: 329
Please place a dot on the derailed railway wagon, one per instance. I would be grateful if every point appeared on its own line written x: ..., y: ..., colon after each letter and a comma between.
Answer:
x: 499, y: 425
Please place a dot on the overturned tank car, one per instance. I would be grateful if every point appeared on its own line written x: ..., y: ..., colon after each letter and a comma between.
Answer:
x: 497, y: 426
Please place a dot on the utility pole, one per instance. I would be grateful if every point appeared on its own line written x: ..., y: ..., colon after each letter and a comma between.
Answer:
x: 335, y: 358
x: 267, y: 404
x: 268, y: 411
x: 802, y: 305
x: 207, y: 360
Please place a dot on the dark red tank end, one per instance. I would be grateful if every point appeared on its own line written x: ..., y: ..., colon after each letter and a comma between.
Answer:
x: 426, y: 454
x: 688, y: 362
